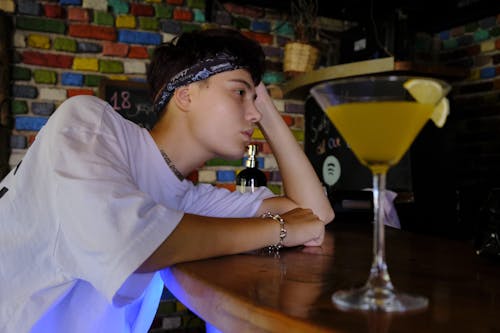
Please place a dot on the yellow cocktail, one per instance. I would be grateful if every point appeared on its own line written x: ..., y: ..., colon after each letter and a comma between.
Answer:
x: 379, y: 133
x: 379, y: 117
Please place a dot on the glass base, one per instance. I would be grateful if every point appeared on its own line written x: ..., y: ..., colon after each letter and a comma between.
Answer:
x: 378, y: 299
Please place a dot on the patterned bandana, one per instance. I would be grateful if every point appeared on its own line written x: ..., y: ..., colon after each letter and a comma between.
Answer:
x: 202, y: 70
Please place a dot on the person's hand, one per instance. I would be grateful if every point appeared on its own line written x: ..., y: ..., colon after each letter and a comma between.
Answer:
x: 263, y: 102
x: 303, y: 228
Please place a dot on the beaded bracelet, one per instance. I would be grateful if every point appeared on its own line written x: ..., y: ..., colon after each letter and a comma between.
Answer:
x: 283, y: 232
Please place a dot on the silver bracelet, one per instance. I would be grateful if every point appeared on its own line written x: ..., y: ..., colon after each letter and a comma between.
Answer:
x: 279, y: 219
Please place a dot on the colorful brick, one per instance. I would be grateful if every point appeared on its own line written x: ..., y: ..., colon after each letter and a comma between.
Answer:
x: 70, y: 2
x: 199, y: 4
x: 28, y: 123
x: 52, y: 94
x: 481, y: 35
x: 115, y: 49
x: 488, y: 72
x: 163, y: 11
x: 19, y: 40
x: 18, y: 141
x: 75, y: 92
x: 110, y: 66
x: 225, y: 175
x: 207, y: 176
x: 190, y: 27
x: 133, y: 67
x: 21, y: 73
x: 198, y: 15
x: 19, y: 107
x: 93, y: 32
x: 139, y: 37
x: 89, y: 47
x: 104, y: 18
x: 86, y: 64
x: 24, y: 91
x: 44, y: 76
x: 28, y: 7
x: 65, y: 44
x: 96, y: 5
x: 92, y: 80
x: 119, y: 6
x: 139, y: 9
x: 183, y: 14
x: 42, y: 108
x: 8, y: 6
x: 39, y: 41
x: 53, y: 10
x: 138, y: 52
x: 71, y: 79
x: 148, y: 23
x: 171, y: 27
x: 488, y: 46
x: 125, y: 21
x: 40, y: 24
x: 78, y: 14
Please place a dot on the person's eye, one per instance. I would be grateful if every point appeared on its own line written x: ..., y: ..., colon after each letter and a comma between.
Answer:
x: 240, y: 92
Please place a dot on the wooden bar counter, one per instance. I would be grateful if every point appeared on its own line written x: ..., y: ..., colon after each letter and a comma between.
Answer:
x: 257, y: 292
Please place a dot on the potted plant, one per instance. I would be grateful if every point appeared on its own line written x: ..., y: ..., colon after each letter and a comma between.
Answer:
x: 300, y: 55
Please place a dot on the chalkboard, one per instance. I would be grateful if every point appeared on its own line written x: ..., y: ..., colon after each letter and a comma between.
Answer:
x: 131, y: 99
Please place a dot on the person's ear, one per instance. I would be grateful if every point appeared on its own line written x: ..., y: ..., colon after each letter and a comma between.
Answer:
x: 182, y: 97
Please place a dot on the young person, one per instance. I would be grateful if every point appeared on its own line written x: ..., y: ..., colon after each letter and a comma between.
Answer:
x: 99, y: 205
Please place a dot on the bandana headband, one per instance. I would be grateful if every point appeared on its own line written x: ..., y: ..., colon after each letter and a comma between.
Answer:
x: 221, y: 62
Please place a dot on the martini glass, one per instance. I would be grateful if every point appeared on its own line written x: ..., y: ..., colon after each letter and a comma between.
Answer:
x: 379, y: 119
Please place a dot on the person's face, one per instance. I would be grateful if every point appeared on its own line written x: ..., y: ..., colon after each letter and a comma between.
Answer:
x: 223, y: 113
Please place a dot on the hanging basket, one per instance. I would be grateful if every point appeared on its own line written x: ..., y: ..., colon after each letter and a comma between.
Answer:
x: 299, y: 58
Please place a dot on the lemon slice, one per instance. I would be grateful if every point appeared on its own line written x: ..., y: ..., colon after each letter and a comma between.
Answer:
x: 430, y: 92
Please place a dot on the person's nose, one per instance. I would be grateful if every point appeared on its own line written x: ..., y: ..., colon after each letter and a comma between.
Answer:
x: 253, y: 114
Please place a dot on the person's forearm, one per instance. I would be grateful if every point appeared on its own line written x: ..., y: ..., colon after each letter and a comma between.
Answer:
x: 300, y: 181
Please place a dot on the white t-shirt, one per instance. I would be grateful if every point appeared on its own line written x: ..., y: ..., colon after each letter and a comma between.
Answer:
x: 90, y: 202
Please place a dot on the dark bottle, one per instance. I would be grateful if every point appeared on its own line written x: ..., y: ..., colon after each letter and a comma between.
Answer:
x: 251, y: 177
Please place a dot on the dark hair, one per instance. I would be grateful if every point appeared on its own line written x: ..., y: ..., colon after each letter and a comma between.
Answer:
x: 189, y: 48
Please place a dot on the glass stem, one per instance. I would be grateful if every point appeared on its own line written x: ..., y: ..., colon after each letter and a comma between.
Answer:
x: 379, y: 276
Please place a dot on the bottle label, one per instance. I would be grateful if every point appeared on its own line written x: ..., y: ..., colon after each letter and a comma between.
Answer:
x: 243, y: 187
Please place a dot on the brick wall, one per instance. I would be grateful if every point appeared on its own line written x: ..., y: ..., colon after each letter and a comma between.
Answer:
x: 64, y: 48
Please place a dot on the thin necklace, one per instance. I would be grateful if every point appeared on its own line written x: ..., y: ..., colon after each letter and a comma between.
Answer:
x: 171, y: 165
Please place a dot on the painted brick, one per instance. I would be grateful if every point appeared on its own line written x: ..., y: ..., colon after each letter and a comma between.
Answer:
x: 258, y: 135
x: 496, y: 84
x: 139, y: 37
x: 166, y: 38
x: 53, y: 10
x: 474, y: 74
x: 299, y: 122
x: 269, y: 162
x: 223, y: 18
x: 223, y: 162
x: 76, y: 92
x: 450, y: 44
x: 496, y: 59
x: 465, y: 40
x: 70, y: 2
x: 8, y: 6
x: 163, y: 11
x: 171, y: 27
x: 209, y: 25
x: 92, y: 80
x: 481, y: 35
x: 265, y: 148
x: 200, y: 4
x: 19, y: 107
x: 95, y: 4
x: 272, y: 51
x: 190, y: 27
x: 444, y: 35
x: 183, y: 14
x: 457, y: 31
x: 138, y: 9
x: 125, y: 21
x: 29, y: 7
x: 265, y: 39
x: 86, y: 64
x: 16, y: 156
x: 273, y: 78
x: 18, y: 141
x: 19, y: 39
x: 39, y: 41
x: 199, y: 15
x: 473, y: 50
x: 207, y: 176
x: 110, y: 66
x: 282, y: 40
x: 242, y: 22
x: 225, y: 175
x: 487, y: 46
x: 21, y: 73
x: 495, y: 31
x: 292, y: 107
x: 93, y: 32
x: 488, y: 72
x: 65, y: 44
x: 275, y: 176
x: 78, y: 14
x: 175, y: 2
x: 42, y: 109
x: 273, y: 66
x: 44, y: 76
x: 71, y: 79
x: 261, y: 26
x: 276, y: 93
x: 279, y: 104
x: 104, y: 18
x: 471, y: 27
x: 40, y: 24
x: 31, y: 139
x: 148, y: 23
x: 228, y: 186
x: 27, y: 123
x: 497, y: 44
x: 288, y: 120
x: 488, y: 22
x: 52, y: 94
x: 134, y: 67
x: 482, y: 60
x: 89, y: 47
x: 118, y: 6
x: 118, y: 77
x: 114, y: 49
x: 138, y: 52
x: 24, y: 91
